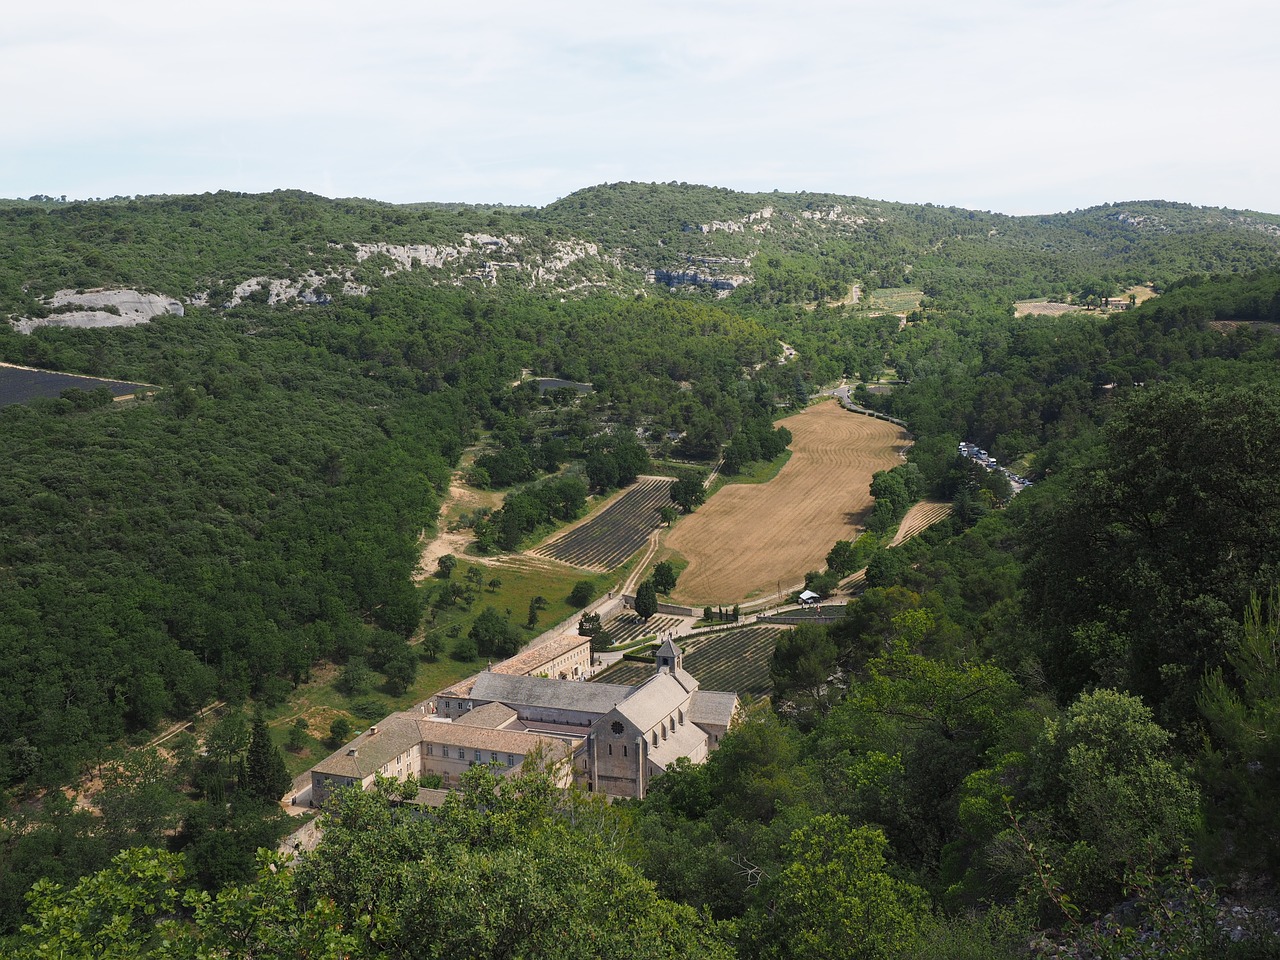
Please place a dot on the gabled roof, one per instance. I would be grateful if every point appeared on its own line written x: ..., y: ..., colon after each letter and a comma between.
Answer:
x: 655, y: 699
x: 528, y: 661
x: 459, y: 690
x: 494, y: 716
x: 683, y: 741
x: 712, y: 707
x: 598, y: 698
x: 497, y: 741
x: 394, y: 735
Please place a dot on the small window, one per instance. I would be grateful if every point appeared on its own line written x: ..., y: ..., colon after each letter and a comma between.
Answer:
x: 462, y: 754
x: 493, y: 757
x: 617, y: 728
x: 611, y: 749
x: 431, y: 749
x: 477, y: 756
x: 624, y: 749
x: 511, y: 760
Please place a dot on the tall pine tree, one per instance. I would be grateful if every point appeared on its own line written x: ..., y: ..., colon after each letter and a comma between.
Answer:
x: 265, y: 776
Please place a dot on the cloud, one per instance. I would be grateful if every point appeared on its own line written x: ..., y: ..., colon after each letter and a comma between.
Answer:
x: 996, y: 103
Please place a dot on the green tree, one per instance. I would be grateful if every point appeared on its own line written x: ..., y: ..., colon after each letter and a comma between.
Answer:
x: 687, y: 492
x: 646, y: 600
x: 664, y: 577
x: 224, y: 744
x: 581, y: 594
x: 445, y: 566
x: 1115, y: 798
x: 356, y: 677
x: 297, y: 734
x: 400, y: 669
x: 432, y: 644
x: 265, y: 775
x: 339, y: 730
x: 493, y: 873
x: 124, y: 911
x: 1241, y: 765
x: 494, y: 636
x: 803, y: 659
x: 842, y: 557
x: 1145, y: 565
x: 836, y: 898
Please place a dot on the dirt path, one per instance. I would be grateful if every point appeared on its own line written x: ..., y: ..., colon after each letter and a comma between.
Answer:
x: 459, y: 500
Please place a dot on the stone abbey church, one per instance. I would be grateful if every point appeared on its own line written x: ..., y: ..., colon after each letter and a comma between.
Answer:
x: 609, y: 738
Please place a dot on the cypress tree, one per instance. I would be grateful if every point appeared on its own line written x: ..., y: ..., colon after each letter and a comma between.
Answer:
x: 265, y: 775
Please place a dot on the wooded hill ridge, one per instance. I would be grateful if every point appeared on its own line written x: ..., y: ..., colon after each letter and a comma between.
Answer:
x: 616, y: 237
x: 1038, y: 709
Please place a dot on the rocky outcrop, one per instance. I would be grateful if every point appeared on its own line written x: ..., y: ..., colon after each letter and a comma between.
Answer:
x: 677, y: 278
x: 100, y: 308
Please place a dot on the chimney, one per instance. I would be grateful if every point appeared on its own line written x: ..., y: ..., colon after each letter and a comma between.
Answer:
x: 373, y: 730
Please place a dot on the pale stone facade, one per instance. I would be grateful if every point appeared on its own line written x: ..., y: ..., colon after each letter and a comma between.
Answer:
x: 616, y: 738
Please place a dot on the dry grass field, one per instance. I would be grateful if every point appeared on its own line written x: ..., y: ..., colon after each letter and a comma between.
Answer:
x: 920, y: 517
x: 747, y: 538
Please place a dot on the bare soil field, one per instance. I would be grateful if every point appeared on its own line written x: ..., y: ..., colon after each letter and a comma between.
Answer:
x: 748, y: 537
x: 460, y: 499
x: 1043, y: 308
x: 1023, y: 308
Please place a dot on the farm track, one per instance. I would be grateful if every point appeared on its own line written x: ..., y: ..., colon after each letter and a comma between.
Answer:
x: 607, y: 539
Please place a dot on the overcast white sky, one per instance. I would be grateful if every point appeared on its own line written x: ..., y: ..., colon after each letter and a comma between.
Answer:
x: 1017, y: 106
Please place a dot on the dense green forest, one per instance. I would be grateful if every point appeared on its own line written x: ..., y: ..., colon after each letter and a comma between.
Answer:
x: 1037, y: 710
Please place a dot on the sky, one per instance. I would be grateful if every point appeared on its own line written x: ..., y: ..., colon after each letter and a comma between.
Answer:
x: 1014, y: 106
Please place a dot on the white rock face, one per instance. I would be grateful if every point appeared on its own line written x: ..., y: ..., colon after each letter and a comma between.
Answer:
x: 134, y: 307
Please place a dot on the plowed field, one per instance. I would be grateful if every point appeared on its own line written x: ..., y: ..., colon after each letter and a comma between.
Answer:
x: 748, y: 537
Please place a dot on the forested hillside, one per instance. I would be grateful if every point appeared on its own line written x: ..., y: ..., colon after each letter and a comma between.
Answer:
x: 1033, y: 713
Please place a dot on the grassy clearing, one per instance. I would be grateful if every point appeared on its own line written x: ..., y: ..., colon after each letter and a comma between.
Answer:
x: 521, y: 582
x: 891, y: 300
x: 678, y: 563
x: 758, y: 471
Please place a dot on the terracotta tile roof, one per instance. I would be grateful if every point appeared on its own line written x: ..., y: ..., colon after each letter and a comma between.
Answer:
x: 527, y: 662
x: 394, y: 736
